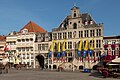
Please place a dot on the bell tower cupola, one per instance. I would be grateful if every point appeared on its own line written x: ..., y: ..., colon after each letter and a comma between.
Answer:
x: 75, y: 11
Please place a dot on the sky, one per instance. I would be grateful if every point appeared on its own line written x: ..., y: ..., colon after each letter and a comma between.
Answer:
x: 15, y: 14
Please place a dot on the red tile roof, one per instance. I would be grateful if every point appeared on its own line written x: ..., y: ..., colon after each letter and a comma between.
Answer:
x: 32, y: 27
x: 2, y: 38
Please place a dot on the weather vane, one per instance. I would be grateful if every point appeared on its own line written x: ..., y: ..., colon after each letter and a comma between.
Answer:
x: 74, y: 3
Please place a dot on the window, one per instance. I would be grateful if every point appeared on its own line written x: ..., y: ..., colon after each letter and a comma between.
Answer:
x: 32, y: 56
x: 70, y: 54
x: 74, y: 34
x: 92, y: 33
x: 19, y: 40
x: 74, y: 26
x: 31, y: 39
x: 23, y: 49
x: 23, y: 40
x: 69, y: 34
x: 46, y: 46
x: 31, y: 48
x: 86, y: 33
x: 69, y: 45
x: 19, y: 49
x: 64, y: 35
x: 39, y: 47
x: 27, y: 49
x: 98, y: 32
x: 74, y: 14
x: 98, y: 43
x: 59, y: 36
x: 92, y: 43
x: 80, y: 34
x: 43, y: 47
x: 27, y: 56
x: 24, y: 30
x: 27, y: 40
x: 54, y: 35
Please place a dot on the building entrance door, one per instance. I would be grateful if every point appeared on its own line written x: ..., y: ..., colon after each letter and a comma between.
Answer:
x: 40, y: 59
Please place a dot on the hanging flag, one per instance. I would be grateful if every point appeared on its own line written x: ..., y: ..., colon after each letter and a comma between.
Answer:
x: 84, y: 53
x: 58, y: 46
x: 86, y: 45
x: 80, y: 45
x: 63, y: 48
x: 63, y: 53
x: 92, y: 44
x: 51, y: 48
x: 80, y: 48
x: 6, y: 48
x: 59, y: 55
x: 79, y: 53
x: 90, y: 52
x: 91, y: 47
x: 50, y: 54
x: 58, y: 49
x: 86, y: 48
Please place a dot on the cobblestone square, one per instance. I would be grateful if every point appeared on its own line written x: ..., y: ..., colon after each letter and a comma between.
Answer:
x: 50, y: 75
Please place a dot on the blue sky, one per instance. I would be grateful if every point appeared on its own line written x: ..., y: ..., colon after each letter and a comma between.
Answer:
x: 15, y: 14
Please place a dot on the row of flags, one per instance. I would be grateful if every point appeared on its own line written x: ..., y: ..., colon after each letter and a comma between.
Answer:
x: 88, y: 48
x: 58, y: 48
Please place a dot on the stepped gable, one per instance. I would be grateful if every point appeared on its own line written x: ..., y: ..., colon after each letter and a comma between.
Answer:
x: 33, y: 27
x: 2, y: 38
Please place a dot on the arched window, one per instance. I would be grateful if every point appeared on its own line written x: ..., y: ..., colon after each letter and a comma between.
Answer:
x: 74, y: 26
x: 74, y: 14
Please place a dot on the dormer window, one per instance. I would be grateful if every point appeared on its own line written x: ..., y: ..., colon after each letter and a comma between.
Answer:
x: 91, y: 22
x: 25, y: 31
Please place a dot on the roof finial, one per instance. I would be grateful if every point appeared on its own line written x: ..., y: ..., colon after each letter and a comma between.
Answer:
x: 74, y: 3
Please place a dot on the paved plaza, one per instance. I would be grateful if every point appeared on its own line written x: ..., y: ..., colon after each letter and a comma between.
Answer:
x: 50, y: 75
